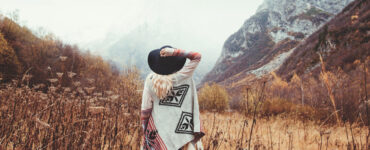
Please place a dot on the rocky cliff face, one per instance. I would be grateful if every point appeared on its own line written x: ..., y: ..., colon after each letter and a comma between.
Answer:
x: 342, y: 42
x: 266, y: 39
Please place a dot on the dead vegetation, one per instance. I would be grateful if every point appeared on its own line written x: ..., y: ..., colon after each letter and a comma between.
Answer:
x: 232, y: 130
x: 213, y: 97
x: 74, y: 117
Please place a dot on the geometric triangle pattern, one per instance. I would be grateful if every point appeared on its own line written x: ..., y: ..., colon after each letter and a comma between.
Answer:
x: 185, y: 124
x: 176, y: 96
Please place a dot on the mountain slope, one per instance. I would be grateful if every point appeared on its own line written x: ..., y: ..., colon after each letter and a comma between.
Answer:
x: 341, y: 42
x: 266, y: 39
x: 37, y: 61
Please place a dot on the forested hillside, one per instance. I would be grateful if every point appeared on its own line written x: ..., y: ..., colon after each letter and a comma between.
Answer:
x: 53, y: 96
x: 41, y: 60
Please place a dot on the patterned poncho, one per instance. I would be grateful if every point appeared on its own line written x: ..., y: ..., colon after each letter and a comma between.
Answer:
x: 173, y: 121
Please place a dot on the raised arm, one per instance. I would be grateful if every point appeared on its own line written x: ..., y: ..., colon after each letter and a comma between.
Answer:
x: 188, y: 69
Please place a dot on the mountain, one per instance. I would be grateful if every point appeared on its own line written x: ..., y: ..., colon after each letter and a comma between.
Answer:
x: 270, y: 36
x: 341, y: 42
x: 132, y: 48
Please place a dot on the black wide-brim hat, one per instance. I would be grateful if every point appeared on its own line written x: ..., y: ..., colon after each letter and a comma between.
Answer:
x: 165, y: 65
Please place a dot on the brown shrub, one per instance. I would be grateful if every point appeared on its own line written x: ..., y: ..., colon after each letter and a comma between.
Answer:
x: 213, y: 97
x: 9, y: 64
x: 312, y: 98
x: 275, y: 107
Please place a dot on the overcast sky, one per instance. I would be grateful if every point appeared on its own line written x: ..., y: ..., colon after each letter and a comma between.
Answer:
x: 89, y: 22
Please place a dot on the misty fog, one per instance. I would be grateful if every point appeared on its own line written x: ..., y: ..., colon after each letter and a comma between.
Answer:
x: 125, y: 31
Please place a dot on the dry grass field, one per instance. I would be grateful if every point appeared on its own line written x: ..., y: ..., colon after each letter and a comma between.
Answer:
x: 31, y: 119
x: 232, y: 131
x: 70, y: 117
x: 83, y: 117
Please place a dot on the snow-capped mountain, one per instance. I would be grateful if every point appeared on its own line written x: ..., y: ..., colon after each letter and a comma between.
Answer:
x: 270, y: 36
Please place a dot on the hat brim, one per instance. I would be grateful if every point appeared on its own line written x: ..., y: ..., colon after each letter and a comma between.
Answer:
x: 165, y: 65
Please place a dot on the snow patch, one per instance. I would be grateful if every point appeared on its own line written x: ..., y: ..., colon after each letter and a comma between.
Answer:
x: 252, y: 28
x: 244, y: 45
x: 280, y: 35
x: 233, y: 55
x: 233, y: 41
x: 332, y: 6
x: 308, y: 6
x: 304, y: 26
x: 273, y: 64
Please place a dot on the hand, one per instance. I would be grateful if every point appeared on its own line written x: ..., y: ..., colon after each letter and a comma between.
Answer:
x: 166, y: 52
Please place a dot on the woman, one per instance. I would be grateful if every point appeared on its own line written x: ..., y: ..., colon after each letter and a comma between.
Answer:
x: 170, y: 112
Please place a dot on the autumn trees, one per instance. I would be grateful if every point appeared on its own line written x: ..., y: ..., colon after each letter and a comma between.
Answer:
x: 44, y: 57
x: 9, y: 64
